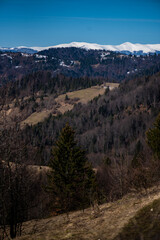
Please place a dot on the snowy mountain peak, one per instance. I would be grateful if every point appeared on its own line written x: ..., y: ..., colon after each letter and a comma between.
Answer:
x: 126, y: 47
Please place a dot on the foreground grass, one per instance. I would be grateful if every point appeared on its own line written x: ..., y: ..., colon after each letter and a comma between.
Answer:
x: 145, y: 224
x: 104, y: 223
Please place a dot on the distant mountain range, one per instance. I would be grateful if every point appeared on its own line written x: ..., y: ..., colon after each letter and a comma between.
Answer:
x: 125, y: 48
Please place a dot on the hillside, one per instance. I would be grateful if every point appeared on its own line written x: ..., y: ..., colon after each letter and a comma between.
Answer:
x: 102, y: 223
x: 144, y: 224
x: 107, y: 125
x: 77, y: 62
x: 32, y: 110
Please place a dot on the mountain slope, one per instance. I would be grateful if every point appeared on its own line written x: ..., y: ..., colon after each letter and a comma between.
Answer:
x: 110, y: 125
x: 77, y: 62
x: 144, y: 225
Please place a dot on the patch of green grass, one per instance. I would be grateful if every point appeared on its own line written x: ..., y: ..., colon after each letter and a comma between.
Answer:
x: 145, y: 225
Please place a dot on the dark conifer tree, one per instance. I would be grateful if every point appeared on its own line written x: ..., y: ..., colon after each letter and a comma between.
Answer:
x: 153, y: 137
x: 72, y: 179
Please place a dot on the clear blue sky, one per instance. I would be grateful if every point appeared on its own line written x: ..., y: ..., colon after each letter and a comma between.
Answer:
x: 50, y: 22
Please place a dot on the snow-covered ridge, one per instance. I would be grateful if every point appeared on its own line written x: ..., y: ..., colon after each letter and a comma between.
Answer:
x: 130, y: 47
x: 125, y: 47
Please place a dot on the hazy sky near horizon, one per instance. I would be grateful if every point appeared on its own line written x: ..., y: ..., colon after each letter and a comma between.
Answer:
x: 51, y: 22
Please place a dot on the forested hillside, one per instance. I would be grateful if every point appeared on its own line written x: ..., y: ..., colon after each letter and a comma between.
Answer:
x: 110, y: 125
x: 76, y: 63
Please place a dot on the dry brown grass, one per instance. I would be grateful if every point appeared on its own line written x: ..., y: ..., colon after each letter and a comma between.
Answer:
x: 85, y: 95
x: 36, y: 117
x: 90, y: 224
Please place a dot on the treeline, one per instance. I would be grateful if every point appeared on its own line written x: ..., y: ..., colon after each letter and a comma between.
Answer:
x: 44, y: 81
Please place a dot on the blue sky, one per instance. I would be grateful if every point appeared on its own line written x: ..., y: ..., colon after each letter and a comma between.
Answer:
x: 50, y: 22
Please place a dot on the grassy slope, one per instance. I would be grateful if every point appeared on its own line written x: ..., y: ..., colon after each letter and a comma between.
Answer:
x: 104, y: 224
x: 36, y: 117
x: 49, y: 105
x: 145, y: 224
x: 83, y: 96
x: 87, y: 94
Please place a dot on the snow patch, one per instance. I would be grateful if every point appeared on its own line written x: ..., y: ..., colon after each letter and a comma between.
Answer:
x: 25, y: 55
x: 63, y: 64
x: 18, y: 67
x: 5, y: 55
x: 41, y: 56
x: 104, y: 56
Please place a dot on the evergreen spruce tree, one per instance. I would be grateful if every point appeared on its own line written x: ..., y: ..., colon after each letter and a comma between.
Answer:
x: 72, y: 180
x: 153, y: 137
